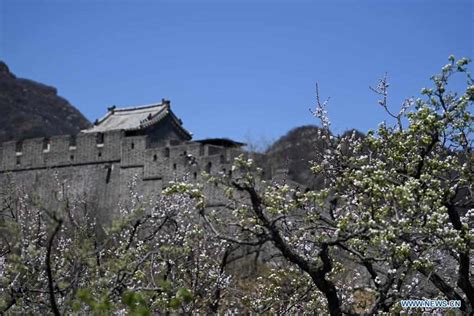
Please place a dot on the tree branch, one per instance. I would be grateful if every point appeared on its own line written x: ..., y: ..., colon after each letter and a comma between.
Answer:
x: 52, y: 299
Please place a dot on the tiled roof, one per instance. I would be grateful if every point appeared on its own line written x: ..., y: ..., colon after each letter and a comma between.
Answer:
x: 134, y: 118
x: 224, y: 142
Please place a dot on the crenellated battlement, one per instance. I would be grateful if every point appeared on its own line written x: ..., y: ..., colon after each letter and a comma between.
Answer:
x: 163, y: 161
x: 60, y: 151
x: 145, y: 145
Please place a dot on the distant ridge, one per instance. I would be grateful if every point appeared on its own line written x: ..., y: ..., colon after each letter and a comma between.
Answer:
x: 31, y: 109
x: 293, y: 152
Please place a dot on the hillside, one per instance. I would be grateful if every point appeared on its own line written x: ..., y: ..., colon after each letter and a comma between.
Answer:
x: 31, y: 109
x: 293, y: 152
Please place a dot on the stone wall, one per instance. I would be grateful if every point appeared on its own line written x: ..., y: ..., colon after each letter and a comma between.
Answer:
x: 99, y: 167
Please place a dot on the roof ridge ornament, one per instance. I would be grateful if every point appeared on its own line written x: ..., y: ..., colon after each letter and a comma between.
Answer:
x: 165, y: 102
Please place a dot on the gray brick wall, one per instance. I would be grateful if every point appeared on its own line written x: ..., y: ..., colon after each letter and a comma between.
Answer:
x: 99, y: 167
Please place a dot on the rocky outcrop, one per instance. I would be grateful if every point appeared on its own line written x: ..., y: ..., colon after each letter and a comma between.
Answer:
x: 292, y: 154
x: 31, y: 109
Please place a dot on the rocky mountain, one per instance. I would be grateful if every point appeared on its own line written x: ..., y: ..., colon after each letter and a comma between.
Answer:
x: 31, y: 109
x: 290, y: 156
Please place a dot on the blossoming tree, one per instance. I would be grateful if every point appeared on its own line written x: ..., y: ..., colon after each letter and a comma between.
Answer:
x: 395, y: 219
x: 154, y: 257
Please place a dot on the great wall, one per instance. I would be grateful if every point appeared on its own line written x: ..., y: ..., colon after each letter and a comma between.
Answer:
x: 146, y: 144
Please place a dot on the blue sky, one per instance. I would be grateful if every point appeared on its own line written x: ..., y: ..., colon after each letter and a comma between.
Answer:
x: 238, y: 69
